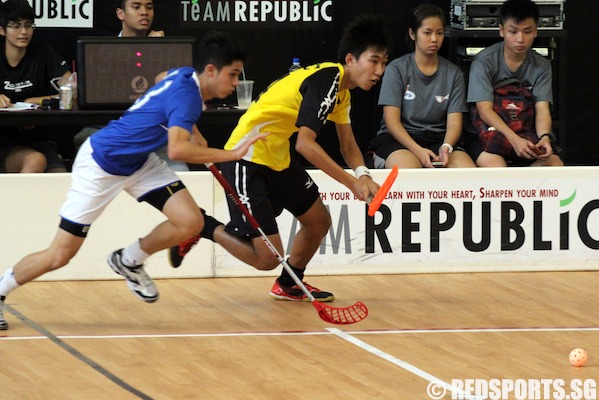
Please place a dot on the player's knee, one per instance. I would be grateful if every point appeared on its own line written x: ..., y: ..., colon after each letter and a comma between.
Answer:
x: 322, y: 227
x: 191, y: 226
x: 267, y: 263
x: 59, y: 259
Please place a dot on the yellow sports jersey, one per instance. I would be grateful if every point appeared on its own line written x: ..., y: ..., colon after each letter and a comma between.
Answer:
x: 305, y: 97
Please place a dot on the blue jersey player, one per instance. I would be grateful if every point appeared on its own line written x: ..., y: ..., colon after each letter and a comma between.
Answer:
x: 120, y: 157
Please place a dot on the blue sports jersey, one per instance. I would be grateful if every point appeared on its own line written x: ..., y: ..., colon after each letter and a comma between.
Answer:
x: 123, y: 146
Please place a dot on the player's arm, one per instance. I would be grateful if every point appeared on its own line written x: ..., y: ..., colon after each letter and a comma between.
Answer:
x: 181, y: 148
x: 353, y: 155
x: 316, y: 91
x: 348, y: 147
x: 306, y: 145
x: 197, y: 137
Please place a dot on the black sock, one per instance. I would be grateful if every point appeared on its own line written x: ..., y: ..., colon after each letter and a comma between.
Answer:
x: 210, y: 224
x: 286, y: 280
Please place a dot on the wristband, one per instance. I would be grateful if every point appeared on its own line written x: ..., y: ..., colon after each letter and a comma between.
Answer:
x: 449, y: 147
x: 550, y: 135
x: 361, y: 171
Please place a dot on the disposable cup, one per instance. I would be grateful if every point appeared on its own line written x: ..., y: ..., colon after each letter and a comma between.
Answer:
x: 244, y: 93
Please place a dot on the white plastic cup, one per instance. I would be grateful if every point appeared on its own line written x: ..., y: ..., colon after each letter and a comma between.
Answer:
x: 244, y: 93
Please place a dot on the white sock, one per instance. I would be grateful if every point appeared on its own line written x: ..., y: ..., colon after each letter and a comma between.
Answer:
x: 8, y: 282
x: 133, y: 255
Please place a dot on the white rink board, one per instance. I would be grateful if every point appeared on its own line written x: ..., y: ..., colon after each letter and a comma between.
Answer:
x: 29, y: 216
x: 433, y: 209
x: 558, y: 208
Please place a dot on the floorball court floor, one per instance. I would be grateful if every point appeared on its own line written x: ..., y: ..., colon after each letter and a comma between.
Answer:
x: 225, y: 338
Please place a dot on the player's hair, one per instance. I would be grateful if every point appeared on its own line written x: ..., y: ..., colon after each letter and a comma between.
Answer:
x: 519, y: 10
x: 366, y: 31
x: 15, y: 10
x: 220, y: 49
x: 418, y: 15
x: 121, y: 4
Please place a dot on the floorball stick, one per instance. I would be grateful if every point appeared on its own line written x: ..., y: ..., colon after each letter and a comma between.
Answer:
x: 333, y: 315
x: 380, y: 195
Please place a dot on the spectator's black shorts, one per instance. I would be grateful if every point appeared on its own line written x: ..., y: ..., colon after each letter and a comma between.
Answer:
x: 384, y: 144
x: 47, y: 147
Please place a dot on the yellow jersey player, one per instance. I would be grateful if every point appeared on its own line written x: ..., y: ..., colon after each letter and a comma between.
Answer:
x: 269, y: 180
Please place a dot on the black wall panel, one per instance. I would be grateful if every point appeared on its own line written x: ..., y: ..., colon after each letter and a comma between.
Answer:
x: 272, y: 50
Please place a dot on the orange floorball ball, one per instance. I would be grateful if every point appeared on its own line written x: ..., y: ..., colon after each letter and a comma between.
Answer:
x: 578, y: 357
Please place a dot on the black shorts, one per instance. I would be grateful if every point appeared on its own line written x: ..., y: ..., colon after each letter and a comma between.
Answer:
x: 384, y: 144
x: 266, y: 193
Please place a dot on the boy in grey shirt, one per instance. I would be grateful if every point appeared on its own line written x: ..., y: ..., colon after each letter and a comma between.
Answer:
x: 513, y: 58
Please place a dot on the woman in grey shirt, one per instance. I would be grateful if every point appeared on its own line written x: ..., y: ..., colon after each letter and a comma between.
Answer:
x: 423, y: 97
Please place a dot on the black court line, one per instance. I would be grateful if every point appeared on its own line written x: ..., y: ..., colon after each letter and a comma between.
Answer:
x: 81, y: 357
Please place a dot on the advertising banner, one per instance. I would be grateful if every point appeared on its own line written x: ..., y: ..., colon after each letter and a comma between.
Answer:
x: 63, y: 13
x: 256, y: 14
x: 467, y: 220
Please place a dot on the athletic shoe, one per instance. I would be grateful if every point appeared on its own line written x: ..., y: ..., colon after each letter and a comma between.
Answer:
x: 178, y: 252
x: 294, y: 293
x: 3, y: 323
x: 138, y: 280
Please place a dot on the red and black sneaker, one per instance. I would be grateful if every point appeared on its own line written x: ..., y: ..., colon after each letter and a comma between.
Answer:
x: 294, y: 293
x: 178, y: 252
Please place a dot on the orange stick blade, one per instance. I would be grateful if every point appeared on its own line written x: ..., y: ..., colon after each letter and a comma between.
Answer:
x: 382, y: 193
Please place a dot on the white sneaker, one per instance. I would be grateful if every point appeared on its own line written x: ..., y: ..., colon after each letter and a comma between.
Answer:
x: 138, y: 280
x: 3, y: 323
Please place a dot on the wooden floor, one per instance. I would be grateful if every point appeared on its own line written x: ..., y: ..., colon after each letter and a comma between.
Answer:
x: 226, y: 339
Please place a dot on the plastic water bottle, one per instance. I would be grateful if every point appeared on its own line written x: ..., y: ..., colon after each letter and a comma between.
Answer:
x: 295, y: 65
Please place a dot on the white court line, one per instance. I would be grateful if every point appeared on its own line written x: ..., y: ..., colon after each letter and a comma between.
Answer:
x: 310, y: 333
x: 434, y: 382
x: 479, y: 330
x: 169, y: 335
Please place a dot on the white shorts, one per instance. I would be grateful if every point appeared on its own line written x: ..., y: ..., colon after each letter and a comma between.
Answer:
x: 92, y: 188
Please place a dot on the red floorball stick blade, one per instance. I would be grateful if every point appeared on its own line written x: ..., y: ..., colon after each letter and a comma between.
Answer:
x: 341, y: 316
x: 380, y: 195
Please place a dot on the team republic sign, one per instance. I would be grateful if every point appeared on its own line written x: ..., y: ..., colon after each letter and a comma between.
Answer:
x: 256, y: 14
x: 469, y: 220
x: 63, y: 13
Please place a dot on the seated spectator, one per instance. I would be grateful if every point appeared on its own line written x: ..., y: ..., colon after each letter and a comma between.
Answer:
x: 423, y: 98
x: 136, y: 18
x: 26, y: 70
x: 513, y: 59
